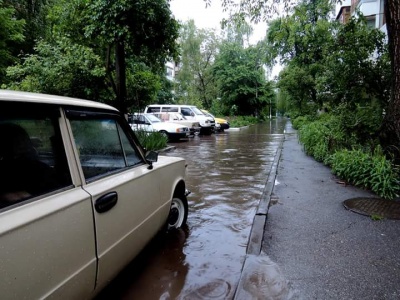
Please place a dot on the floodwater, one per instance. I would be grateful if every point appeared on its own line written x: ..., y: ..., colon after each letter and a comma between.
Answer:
x: 226, y: 174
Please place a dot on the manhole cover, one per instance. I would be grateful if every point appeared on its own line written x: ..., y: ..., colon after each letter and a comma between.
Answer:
x: 374, y: 207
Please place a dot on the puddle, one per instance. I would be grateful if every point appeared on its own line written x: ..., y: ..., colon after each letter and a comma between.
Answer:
x: 226, y: 174
x: 263, y: 279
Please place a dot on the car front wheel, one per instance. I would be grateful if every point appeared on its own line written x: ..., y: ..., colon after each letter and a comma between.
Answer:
x: 164, y: 133
x: 178, y: 213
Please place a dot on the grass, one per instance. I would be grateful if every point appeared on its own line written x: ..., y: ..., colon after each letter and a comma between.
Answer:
x: 151, y: 141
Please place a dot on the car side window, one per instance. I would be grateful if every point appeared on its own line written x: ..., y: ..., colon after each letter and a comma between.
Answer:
x: 32, y: 156
x: 169, y: 109
x: 153, y: 109
x: 185, y: 111
x: 103, y: 147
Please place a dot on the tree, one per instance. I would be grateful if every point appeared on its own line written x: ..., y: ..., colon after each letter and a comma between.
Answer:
x: 33, y: 14
x: 240, y: 76
x: 61, y: 68
x: 74, y: 55
x: 141, y: 28
x: 390, y: 131
x: 335, y: 67
x: 198, y: 50
x: 390, y: 134
x: 11, y: 36
x: 302, y: 41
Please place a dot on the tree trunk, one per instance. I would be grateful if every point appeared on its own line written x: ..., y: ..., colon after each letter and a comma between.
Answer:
x: 390, y: 134
x: 120, y: 77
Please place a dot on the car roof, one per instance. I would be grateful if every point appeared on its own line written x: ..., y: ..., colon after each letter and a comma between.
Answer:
x: 172, y: 105
x: 17, y: 96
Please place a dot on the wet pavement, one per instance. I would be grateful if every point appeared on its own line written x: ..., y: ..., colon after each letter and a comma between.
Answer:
x: 227, y: 174
x: 317, y: 248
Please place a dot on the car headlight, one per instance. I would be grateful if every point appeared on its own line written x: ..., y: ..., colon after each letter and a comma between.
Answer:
x: 179, y: 130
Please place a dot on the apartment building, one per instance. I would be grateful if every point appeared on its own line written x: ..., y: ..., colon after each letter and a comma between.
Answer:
x: 373, y: 10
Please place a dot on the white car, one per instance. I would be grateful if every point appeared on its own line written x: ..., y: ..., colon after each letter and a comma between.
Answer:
x: 79, y: 199
x: 149, y: 123
x: 191, y: 112
x: 178, y: 118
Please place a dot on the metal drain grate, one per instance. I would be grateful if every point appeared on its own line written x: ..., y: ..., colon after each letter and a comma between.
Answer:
x: 374, y: 207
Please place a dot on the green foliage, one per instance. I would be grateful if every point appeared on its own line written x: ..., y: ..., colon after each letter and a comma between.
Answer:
x: 323, y: 136
x: 300, y: 121
x: 361, y: 123
x: 106, y: 51
x: 329, y: 65
x: 61, y: 68
x: 332, y: 139
x: 142, y: 86
x: 195, y: 84
x: 165, y: 95
x: 241, y: 79
x: 32, y: 14
x: 315, y: 137
x: 376, y: 218
x: 11, y: 36
x: 151, y: 140
x: 351, y: 76
x: 241, y: 121
x: 147, y: 28
x: 371, y: 171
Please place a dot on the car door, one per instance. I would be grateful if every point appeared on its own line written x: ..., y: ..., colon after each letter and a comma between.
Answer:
x: 125, y: 191
x: 187, y: 113
x: 147, y: 125
x: 46, y: 219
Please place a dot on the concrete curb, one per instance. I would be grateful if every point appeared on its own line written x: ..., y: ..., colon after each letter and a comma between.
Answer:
x: 260, y: 219
x: 257, y: 230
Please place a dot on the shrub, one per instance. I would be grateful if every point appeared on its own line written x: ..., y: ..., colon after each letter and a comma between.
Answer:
x: 371, y: 171
x: 151, y: 140
x: 241, y: 121
x: 300, y: 121
x: 323, y: 137
x: 315, y: 138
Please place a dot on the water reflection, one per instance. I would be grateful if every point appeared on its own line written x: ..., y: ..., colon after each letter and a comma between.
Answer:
x: 226, y: 173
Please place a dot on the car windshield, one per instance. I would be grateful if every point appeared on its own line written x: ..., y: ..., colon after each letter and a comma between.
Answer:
x: 197, y: 111
x: 153, y: 118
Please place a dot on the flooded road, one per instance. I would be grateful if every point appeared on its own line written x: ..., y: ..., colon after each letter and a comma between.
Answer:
x: 226, y: 174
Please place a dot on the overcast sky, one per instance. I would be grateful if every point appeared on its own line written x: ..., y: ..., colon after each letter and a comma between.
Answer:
x: 209, y: 17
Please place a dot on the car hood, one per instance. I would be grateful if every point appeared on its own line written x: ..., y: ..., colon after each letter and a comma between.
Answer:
x: 220, y: 121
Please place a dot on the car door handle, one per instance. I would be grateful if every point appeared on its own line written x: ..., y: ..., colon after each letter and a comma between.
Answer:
x: 106, y: 202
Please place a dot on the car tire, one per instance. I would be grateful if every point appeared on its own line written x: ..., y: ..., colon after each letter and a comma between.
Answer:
x: 178, y: 213
x: 165, y: 133
x: 206, y: 131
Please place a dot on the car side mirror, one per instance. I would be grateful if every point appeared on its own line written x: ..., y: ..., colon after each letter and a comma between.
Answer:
x: 151, y: 157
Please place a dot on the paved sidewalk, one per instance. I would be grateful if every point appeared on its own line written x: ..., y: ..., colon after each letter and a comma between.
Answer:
x: 321, y: 250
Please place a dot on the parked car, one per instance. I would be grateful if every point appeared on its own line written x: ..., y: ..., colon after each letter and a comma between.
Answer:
x: 149, y: 123
x: 191, y: 112
x: 178, y: 118
x: 79, y: 199
x: 220, y: 124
